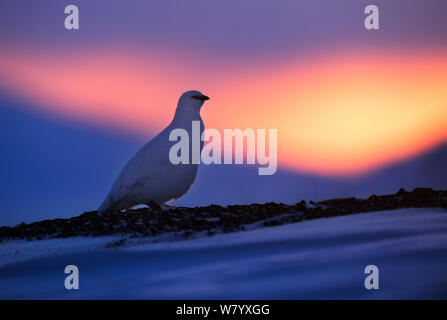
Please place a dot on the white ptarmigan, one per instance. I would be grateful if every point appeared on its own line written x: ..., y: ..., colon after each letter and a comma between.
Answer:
x: 149, y: 177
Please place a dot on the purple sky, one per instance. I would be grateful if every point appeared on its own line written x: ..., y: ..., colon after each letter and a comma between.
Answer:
x: 231, y: 28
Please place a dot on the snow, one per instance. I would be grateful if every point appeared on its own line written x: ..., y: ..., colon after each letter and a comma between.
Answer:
x: 317, y: 259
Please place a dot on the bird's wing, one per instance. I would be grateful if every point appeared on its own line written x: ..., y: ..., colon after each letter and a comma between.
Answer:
x: 146, y: 167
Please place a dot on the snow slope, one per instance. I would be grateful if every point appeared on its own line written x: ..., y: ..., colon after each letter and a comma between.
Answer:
x: 316, y: 259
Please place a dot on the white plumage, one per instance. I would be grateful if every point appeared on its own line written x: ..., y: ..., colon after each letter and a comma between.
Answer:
x: 149, y: 176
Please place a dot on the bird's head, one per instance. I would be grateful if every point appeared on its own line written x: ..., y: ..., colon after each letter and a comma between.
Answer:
x: 192, y: 99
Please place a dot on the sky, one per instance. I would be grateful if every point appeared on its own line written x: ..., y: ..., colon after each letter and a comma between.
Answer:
x: 348, y: 103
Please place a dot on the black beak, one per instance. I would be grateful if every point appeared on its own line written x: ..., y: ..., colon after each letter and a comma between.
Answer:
x: 202, y: 97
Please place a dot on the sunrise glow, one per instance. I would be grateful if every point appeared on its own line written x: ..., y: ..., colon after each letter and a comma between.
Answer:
x: 343, y: 114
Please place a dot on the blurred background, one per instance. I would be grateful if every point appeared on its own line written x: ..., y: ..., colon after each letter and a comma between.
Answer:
x: 358, y: 111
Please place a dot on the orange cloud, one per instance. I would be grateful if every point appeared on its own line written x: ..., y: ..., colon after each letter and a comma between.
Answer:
x: 334, y: 115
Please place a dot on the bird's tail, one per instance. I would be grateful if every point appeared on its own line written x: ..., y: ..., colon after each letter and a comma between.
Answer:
x: 106, y: 205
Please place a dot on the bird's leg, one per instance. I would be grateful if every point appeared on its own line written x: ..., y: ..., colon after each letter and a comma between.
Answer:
x: 153, y: 205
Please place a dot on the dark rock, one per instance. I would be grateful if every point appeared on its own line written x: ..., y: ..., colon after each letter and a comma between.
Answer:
x: 214, y: 219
